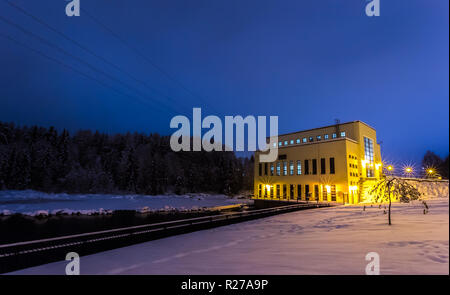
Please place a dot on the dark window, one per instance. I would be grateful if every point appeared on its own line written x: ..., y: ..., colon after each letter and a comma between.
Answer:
x: 307, y: 192
x: 314, y: 164
x: 284, y: 191
x: 278, y: 191
x: 260, y: 169
x: 259, y: 190
x: 299, y: 191
x: 332, y: 166
x: 322, y: 166
x: 265, y: 168
x: 306, y: 167
x: 282, y: 157
x: 316, y: 192
x: 291, y: 191
x: 311, y: 139
x: 271, y: 191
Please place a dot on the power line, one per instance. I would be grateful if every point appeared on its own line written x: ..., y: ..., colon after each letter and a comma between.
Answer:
x: 65, y: 36
x: 50, y: 44
x: 148, y: 60
x: 69, y: 67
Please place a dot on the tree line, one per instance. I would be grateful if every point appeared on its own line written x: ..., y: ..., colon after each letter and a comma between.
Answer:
x: 49, y: 160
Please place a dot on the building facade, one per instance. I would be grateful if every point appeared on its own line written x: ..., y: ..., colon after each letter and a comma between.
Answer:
x: 336, y: 163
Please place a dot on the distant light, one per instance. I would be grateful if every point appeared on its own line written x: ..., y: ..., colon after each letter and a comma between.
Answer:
x: 390, y: 168
x: 430, y: 171
x: 408, y: 169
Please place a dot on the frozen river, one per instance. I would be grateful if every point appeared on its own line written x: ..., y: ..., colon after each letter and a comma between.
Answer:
x: 30, y: 202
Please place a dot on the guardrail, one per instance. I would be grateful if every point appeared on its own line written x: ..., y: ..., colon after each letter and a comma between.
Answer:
x: 25, y: 254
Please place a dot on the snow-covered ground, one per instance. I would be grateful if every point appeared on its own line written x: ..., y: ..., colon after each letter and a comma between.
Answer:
x: 32, y: 202
x: 318, y: 241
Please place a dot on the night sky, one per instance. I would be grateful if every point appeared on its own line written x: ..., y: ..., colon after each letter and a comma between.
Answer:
x: 307, y: 61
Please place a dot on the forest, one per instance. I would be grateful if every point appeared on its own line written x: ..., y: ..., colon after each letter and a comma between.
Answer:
x: 49, y: 160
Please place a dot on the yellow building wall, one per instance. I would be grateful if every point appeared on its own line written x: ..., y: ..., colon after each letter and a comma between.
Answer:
x: 348, y: 152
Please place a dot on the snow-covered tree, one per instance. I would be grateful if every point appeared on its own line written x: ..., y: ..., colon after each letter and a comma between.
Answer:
x: 393, y: 188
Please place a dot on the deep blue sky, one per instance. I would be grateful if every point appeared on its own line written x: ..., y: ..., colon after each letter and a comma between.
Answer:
x: 306, y: 61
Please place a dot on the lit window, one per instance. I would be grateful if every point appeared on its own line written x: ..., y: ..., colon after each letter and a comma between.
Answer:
x: 278, y: 168
x: 319, y: 137
x: 280, y: 143
x: 304, y: 139
x: 299, y: 167
x: 286, y: 142
x: 325, y: 136
x: 291, y: 167
x: 334, y: 135
x: 311, y: 139
x: 285, y: 168
x: 271, y: 169
x: 343, y: 134
x: 298, y: 140
x: 292, y: 141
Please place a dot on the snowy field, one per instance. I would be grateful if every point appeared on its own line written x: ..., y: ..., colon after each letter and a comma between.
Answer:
x: 33, y: 202
x: 319, y: 241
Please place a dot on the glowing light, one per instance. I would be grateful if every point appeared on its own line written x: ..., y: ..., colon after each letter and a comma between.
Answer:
x: 390, y: 168
x: 430, y: 171
x: 408, y: 170
x: 328, y: 188
x: 353, y: 188
x: 268, y: 187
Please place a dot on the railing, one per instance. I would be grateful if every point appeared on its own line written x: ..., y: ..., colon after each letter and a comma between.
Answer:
x: 127, y: 235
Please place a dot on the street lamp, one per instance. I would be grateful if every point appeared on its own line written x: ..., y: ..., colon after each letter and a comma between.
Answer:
x: 408, y: 170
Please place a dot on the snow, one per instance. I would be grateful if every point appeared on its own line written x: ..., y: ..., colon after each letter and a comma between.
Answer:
x: 34, y: 203
x: 318, y: 241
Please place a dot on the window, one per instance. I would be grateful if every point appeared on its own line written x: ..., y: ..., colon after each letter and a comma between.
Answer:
x: 260, y: 169
x: 311, y: 139
x: 332, y: 166
x: 285, y: 168
x: 278, y: 191
x: 265, y: 168
x: 307, y: 194
x: 322, y: 166
x: 278, y: 168
x: 284, y: 191
x: 325, y: 136
x: 271, y: 191
x: 334, y: 135
x: 314, y: 164
x: 292, y: 141
x: 306, y: 167
x: 299, y: 191
x: 271, y: 169
x: 299, y: 167
x: 285, y: 142
x: 291, y: 167
x: 368, y: 156
x: 333, y: 193
x: 259, y: 190
x: 319, y: 137
x: 280, y: 143
x: 291, y: 191
x: 304, y: 139
x: 298, y: 140
x: 343, y: 134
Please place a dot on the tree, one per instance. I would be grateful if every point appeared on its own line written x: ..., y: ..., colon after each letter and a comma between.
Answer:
x: 394, y: 188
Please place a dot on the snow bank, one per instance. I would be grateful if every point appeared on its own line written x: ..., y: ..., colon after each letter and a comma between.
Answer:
x: 431, y: 188
x: 33, y: 203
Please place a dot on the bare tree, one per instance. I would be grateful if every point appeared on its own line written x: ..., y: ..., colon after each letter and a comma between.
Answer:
x: 393, y: 188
